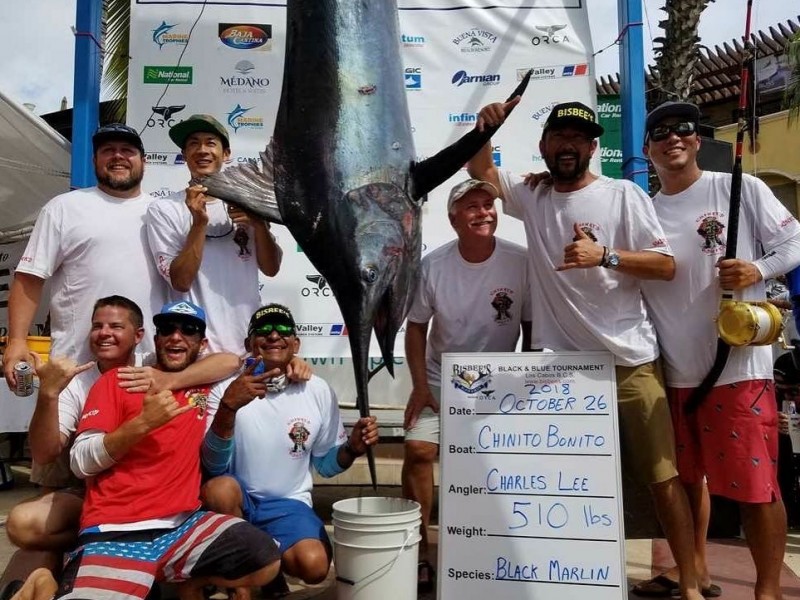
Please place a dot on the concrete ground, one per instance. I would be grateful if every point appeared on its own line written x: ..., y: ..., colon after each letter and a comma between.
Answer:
x: 729, y: 559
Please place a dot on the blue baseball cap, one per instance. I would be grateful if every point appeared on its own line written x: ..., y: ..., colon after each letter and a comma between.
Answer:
x: 181, y: 308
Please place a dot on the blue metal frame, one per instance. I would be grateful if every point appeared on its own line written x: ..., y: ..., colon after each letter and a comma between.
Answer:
x: 632, y: 88
x: 86, y: 91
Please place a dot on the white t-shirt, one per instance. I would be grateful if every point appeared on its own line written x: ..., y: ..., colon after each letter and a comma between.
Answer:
x: 595, y: 308
x: 275, y: 437
x: 226, y: 285
x: 91, y: 245
x: 684, y: 309
x: 475, y: 307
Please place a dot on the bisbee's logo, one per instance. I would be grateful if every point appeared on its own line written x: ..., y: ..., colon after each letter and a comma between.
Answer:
x: 471, y: 378
x: 246, y: 36
x: 237, y: 119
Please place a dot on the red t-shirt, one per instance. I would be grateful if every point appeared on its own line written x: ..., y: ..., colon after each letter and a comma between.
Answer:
x: 160, y: 475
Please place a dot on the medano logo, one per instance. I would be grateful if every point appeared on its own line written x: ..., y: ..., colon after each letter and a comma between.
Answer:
x: 475, y: 40
x: 244, y: 83
x: 246, y: 36
x: 461, y: 77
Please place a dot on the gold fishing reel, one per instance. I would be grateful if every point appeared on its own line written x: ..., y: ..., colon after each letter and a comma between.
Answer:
x: 741, y: 323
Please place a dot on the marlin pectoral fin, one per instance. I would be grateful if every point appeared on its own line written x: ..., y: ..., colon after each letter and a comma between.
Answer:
x: 248, y: 186
x: 437, y: 169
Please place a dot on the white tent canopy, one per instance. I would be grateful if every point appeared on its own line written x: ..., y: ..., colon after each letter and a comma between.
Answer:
x: 34, y: 167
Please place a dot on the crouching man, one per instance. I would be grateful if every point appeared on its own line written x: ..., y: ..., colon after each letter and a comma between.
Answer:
x: 267, y: 434
x: 140, y: 455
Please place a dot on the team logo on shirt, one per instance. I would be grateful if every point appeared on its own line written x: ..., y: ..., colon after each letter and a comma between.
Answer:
x: 710, y: 228
x: 199, y: 400
x: 588, y: 229
x: 298, y: 434
x: 241, y: 238
x: 501, y: 303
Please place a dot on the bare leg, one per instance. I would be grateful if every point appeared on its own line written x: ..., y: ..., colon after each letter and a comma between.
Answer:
x: 308, y: 559
x: 48, y: 522
x: 40, y: 585
x: 24, y: 562
x: 765, y: 530
x: 417, y: 478
x: 675, y: 516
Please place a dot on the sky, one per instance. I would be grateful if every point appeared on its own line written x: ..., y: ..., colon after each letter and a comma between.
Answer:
x: 38, y: 69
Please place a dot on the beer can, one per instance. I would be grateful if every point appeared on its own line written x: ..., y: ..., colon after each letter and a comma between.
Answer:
x: 24, y: 374
x: 789, y: 407
x: 250, y: 361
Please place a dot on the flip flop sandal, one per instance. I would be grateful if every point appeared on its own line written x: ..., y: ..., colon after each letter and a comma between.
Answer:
x: 426, y: 577
x: 712, y: 591
x: 659, y: 586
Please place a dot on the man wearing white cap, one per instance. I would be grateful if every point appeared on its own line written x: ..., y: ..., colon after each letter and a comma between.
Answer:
x: 475, y: 291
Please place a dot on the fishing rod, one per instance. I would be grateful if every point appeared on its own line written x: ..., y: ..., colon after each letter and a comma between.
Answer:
x: 739, y: 323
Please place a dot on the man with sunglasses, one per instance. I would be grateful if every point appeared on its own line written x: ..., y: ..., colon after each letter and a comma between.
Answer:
x: 89, y: 244
x: 140, y: 453
x: 730, y: 442
x: 206, y: 250
x: 592, y: 241
x: 266, y: 436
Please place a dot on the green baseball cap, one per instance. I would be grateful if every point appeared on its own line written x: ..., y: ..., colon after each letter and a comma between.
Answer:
x: 199, y: 123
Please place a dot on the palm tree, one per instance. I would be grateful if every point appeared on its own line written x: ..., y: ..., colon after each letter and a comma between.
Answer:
x: 791, y: 98
x: 116, y: 25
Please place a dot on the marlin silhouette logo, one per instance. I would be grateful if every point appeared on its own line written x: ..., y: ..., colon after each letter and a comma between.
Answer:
x: 160, y: 31
x: 235, y: 114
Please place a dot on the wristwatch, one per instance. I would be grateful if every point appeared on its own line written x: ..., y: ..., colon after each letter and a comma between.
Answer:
x: 611, y: 260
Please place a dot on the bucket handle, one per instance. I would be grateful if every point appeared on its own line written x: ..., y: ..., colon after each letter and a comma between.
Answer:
x: 389, y: 565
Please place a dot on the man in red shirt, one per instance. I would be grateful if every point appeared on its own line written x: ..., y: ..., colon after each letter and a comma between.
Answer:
x: 139, y: 453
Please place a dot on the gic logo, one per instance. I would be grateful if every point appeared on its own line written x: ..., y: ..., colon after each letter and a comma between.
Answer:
x: 246, y: 36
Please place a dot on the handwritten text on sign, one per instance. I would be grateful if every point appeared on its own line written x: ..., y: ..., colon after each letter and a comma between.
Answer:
x: 530, y: 489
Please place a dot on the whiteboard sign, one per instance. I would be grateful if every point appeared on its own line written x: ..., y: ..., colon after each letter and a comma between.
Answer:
x: 530, y: 487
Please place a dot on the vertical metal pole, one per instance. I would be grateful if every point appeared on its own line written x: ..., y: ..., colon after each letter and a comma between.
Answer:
x: 632, y: 88
x: 86, y: 92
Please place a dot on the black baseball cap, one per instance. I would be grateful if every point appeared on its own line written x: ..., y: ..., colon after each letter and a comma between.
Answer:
x: 199, y: 123
x: 116, y: 131
x: 671, y: 108
x: 276, y: 314
x: 576, y: 115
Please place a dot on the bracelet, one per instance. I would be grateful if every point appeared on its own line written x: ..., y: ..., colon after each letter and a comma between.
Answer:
x: 605, y: 256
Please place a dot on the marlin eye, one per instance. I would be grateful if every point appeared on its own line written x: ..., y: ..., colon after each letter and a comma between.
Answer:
x: 369, y: 274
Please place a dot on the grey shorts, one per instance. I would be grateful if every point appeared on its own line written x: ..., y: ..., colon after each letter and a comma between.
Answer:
x: 428, y: 425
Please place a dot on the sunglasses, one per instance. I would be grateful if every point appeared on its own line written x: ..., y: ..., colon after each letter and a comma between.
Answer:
x: 186, y: 328
x: 268, y: 328
x: 661, y: 132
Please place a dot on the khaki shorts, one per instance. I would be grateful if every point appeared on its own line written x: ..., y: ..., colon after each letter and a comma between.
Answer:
x: 646, y: 437
x: 428, y: 425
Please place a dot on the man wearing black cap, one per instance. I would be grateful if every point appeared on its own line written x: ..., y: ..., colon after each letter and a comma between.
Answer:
x: 204, y: 249
x: 736, y: 452
x: 267, y: 434
x: 592, y: 241
x: 88, y: 242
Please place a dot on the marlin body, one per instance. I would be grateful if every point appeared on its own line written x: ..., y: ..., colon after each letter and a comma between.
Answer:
x: 340, y: 172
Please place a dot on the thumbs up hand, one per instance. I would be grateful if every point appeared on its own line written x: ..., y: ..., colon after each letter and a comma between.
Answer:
x: 582, y: 253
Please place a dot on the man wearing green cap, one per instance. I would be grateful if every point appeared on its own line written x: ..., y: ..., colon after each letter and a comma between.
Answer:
x: 204, y: 248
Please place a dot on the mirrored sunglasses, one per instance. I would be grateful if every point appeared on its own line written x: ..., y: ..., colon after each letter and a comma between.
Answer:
x: 280, y: 328
x: 185, y: 327
x: 661, y: 132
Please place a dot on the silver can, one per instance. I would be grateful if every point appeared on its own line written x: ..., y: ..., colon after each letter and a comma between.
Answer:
x: 24, y: 374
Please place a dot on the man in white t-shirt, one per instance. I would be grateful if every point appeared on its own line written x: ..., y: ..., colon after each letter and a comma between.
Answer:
x: 731, y: 440
x: 592, y: 240
x: 47, y: 525
x: 89, y: 243
x: 474, y: 291
x: 210, y: 253
x: 267, y: 434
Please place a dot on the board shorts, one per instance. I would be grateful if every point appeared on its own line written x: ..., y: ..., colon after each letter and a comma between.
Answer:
x: 286, y: 520
x: 731, y: 440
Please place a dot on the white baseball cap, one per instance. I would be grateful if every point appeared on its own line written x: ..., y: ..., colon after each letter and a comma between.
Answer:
x: 460, y: 190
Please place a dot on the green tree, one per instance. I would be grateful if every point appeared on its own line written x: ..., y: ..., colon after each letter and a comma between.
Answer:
x: 791, y: 98
x: 117, y: 26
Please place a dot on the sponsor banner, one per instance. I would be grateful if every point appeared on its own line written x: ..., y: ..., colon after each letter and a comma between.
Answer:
x: 609, y: 115
x: 454, y: 62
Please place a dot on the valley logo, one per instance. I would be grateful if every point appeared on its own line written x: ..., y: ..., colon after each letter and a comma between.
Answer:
x: 471, y: 379
x: 475, y: 40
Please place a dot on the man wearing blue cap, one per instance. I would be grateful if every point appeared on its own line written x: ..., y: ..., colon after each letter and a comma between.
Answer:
x: 205, y: 249
x: 140, y: 453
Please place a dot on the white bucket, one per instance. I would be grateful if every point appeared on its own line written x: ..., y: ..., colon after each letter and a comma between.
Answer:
x: 375, y: 548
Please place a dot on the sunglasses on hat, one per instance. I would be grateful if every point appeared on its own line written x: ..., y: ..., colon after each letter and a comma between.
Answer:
x: 185, y: 327
x: 267, y: 328
x: 683, y: 129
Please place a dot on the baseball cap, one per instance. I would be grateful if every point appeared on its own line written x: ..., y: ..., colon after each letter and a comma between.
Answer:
x: 271, y: 313
x: 573, y: 114
x: 670, y: 108
x: 181, y: 308
x: 116, y: 131
x: 460, y: 190
x: 196, y: 124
